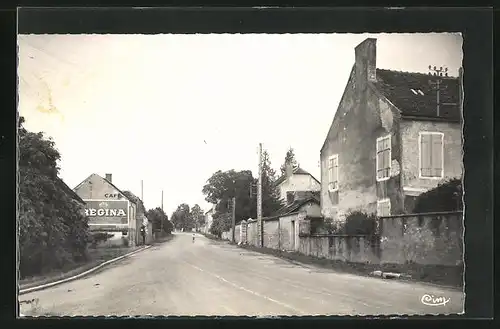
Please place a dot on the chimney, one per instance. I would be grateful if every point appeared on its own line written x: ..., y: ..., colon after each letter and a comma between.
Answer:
x: 366, y: 61
x: 109, y: 178
x: 289, y: 170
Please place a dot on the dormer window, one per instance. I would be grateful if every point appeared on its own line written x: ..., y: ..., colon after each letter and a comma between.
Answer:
x: 417, y: 92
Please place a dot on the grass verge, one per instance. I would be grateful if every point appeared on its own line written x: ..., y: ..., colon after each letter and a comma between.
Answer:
x: 449, y: 276
x: 96, y: 257
x: 211, y: 236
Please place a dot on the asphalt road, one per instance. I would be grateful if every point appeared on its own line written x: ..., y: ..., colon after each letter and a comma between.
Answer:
x: 214, y: 278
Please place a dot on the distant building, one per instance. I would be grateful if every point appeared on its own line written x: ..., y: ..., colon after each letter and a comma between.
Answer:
x: 208, y: 219
x: 389, y: 141
x: 308, y: 201
x: 111, y: 210
x: 296, y: 180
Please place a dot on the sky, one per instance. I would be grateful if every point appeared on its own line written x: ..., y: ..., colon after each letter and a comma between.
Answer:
x: 172, y: 109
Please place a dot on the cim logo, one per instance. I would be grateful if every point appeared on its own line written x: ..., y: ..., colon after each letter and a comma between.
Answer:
x: 431, y: 300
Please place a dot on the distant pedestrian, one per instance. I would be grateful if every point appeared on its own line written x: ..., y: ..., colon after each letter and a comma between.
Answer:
x: 143, y: 233
x: 193, y: 237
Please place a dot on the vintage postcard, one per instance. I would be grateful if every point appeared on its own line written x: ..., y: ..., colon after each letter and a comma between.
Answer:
x: 240, y: 174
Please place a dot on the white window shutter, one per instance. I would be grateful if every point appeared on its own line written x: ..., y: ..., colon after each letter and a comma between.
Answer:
x: 437, y: 155
x: 425, y: 155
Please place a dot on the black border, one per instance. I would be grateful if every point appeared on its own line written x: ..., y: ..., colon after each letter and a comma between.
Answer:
x: 475, y: 24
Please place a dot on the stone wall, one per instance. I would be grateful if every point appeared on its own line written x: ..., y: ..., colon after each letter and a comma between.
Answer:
x: 353, y: 249
x: 428, y: 239
x: 423, y: 239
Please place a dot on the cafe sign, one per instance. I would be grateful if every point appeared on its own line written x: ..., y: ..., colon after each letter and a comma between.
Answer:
x: 107, y: 212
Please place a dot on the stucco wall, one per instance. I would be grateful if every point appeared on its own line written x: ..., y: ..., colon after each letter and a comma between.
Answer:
x: 361, y: 118
x: 252, y: 234
x: 354, y: 249
x: 427, y: 239
x: 298, y: 183
x: 424, y: 239
x: 286, y: 231
x: 453, y: 158
x: 271, y: 233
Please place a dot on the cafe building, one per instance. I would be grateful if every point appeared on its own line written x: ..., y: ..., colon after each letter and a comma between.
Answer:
x: 110, y: 210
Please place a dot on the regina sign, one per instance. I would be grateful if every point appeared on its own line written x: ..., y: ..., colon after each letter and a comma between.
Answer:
x: 107, y: 212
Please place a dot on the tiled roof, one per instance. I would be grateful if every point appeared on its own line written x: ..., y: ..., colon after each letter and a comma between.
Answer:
x: 68, y: 190
x: 107, y: 181
x: 396, y: 87
x: 295, y: 206
x: 296, y: 171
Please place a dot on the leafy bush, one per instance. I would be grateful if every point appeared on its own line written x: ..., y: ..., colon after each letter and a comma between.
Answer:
x: 445, y: 197
x: 99, y: 237
x: 53, y: 232
x: 219, y: 225
x: 360, y: 223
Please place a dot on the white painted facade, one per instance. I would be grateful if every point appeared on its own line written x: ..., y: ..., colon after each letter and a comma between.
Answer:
x: 208, y: 220
x: 298, y: 182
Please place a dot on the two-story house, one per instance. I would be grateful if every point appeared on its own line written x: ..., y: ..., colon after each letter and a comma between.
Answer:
x: 392, y: 138
x: 111, y: 210
x: 296, y: 180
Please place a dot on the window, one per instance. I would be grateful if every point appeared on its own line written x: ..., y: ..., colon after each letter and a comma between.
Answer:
x: 383, y: 160
x: 333, y: 173
x: 431, y: 151
x: 384, y: 207
x: 417, y: 92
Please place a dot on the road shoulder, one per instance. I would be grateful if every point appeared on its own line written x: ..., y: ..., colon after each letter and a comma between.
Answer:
x: 368, y: 270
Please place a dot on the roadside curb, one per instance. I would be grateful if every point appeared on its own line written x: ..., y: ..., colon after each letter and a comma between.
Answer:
x: 78, y: 276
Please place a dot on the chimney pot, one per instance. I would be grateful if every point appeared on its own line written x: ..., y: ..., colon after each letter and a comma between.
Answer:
x: 109, y: 177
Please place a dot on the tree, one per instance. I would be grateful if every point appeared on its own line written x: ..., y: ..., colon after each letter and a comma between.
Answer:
x: 289, y: 160
x: 197, y: 216
x: 270, y: 194
x: 53, y: 230
x: 221, y: 187
x: 160, y: 220
x: 181, y: 218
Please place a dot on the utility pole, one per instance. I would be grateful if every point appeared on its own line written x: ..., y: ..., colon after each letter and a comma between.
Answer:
x: 233, y: 217
x: 259, y: 198
x: 142, y: 190
x: 437, y: 85
x: 161, y: 223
